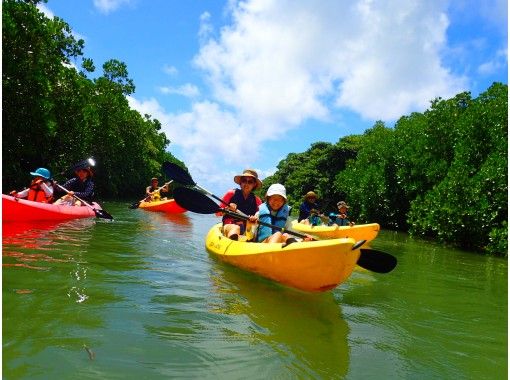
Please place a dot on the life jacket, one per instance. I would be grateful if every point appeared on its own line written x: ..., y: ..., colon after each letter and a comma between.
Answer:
x: 279, y: 219
x: 37, y: 194
x: 249, y: 206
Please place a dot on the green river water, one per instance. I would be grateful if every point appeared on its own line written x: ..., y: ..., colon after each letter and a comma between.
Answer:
x: 140, y: 298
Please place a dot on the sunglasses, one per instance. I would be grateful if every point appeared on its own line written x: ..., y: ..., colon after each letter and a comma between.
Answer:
x: 247, y: 180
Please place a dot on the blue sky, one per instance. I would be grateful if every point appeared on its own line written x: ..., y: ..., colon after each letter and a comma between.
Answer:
x: 240, y: 84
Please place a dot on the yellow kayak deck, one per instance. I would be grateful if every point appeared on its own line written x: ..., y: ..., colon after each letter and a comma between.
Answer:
x: 314, y: 266
x: 357, y: 232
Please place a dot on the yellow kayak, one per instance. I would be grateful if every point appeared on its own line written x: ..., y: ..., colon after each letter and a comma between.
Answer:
x: 314, y: 266
x: 358, y: 232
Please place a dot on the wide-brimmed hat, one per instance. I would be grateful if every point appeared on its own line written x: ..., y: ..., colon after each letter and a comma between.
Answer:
x: 42, y: 172
x: 342, y: 204
x: 276, y: 189
x: 154, y: 179
x: 310, y: 194
x: 249, y: 173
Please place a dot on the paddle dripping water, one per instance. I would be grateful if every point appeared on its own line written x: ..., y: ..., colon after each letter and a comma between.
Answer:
x: 148, y: 301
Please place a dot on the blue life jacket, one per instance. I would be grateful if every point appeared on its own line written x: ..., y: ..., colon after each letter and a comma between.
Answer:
x: 278, y: 219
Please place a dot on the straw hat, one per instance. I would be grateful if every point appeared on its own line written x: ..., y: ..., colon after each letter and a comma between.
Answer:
x: 249, y: 173
x: 342, y: 204
x: 310, y: 194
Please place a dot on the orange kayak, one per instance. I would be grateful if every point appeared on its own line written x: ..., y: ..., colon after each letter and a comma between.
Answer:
x: 164, y: 205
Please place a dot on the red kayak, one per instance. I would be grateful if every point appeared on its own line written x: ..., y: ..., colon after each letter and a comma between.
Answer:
x: 164, y: 205
x: 21, y: 210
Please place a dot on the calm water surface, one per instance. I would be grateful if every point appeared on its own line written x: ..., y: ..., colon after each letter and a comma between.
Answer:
x: 141, y: 298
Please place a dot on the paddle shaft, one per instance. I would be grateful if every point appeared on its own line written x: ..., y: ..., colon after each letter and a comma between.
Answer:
x: 99, y: 213
x: 244, y: 217
x: 74, y: 195
x: 177, y: 173
x: 158, y: 189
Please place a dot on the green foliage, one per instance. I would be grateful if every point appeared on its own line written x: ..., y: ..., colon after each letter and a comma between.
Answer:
x: 440, y: 174
x: 54, y: 116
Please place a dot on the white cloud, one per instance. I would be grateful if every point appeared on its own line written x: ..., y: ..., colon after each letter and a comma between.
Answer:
x: 107, y: 6
x: 188, y: 90
x: 495, y: 64
x: 281, y: 60
x: 170, y: 70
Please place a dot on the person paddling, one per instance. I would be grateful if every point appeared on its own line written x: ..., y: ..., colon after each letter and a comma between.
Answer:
x: 153, y: 191
x: 243, y: 200
x: 341, y: 218
x: 82, y: 185
x: 40, y: 189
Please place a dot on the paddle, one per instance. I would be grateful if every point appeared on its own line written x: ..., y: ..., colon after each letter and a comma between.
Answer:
x: 137, y: 204
x: 192, y: 200
x: 178, y: 174
x: 99, y: 213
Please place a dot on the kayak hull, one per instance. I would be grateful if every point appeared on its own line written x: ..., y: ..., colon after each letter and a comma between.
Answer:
x: 22, y: 210
x: 314, y: 266
x: 358, y: 232
x: 165, y: 205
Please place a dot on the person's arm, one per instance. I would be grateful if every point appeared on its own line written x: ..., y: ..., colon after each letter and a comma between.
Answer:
x: 47, y: 188
x: 226, y: 198
x: 21, y: 194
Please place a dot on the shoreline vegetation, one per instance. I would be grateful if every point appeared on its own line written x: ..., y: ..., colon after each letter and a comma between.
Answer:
x: 440, y: 174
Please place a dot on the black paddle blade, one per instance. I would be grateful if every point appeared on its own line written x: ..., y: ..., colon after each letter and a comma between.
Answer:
x: 102, y: 214
x: 178, y: 174
x: 377, y: 261
x: 195, y: 201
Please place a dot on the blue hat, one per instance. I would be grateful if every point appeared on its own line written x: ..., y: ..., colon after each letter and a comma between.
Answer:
x: 42, y: 172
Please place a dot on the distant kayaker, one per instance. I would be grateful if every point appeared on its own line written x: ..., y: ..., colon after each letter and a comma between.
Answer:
x: 40, y: 189
x: 341, y: 218
x: 153, y: 192
x: 242, y: 199
x: 82, y: 185
x: 274, y: 211
x: 309, y: 212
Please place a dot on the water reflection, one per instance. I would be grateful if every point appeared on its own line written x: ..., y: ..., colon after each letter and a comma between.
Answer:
x: 306, y: 329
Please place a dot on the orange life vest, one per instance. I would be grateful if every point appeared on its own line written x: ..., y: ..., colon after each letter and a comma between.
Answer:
x: 36, y: 194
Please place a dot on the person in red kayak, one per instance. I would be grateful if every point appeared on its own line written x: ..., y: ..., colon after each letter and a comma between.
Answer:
x: 40, y: 189
x: 243, y: 200
x: 153, y: 192
x: 82, y: 185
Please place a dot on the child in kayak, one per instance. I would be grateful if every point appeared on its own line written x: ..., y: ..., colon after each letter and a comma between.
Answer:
x: 243, y: 200
x: 341, y: 218
x: 81, y: 185
x: 274, y: 211
x: 40, y: 189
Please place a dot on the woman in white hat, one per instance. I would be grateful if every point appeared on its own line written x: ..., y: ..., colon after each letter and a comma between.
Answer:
x: 242, y: 199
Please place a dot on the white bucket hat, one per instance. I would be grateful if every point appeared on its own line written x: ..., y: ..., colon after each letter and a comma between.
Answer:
x: 276, y: 189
